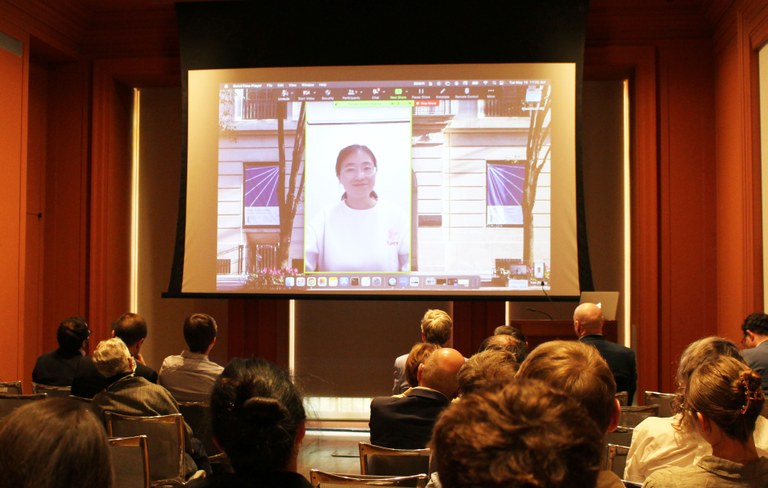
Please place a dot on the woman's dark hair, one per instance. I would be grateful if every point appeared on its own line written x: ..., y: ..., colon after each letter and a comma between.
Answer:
x: 256, y: 413
x: 52, y: 443
x: 352, y: 149
x: 71, y: 333
x: 728, y: 393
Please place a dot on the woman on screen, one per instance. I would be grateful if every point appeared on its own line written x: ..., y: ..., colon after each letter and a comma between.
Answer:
x: 361, y: 232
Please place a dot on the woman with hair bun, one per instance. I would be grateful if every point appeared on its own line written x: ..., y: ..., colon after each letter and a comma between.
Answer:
x: 723, y: 402
x: 258, y: 420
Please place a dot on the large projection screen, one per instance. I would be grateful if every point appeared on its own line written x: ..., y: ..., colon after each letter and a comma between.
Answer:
x: 465, y: 173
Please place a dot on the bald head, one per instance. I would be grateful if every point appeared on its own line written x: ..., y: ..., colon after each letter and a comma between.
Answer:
x: 587, y: 320
x: 439, y: 371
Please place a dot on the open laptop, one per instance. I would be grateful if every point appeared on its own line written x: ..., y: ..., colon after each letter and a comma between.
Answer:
x: 607, y: 300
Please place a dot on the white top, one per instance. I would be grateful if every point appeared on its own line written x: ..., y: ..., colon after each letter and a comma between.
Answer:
x: 189, y: 376
x: 340, y: 238
x: 657, y: 444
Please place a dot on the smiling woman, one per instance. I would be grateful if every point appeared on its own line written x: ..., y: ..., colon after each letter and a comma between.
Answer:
x: 360, y: 233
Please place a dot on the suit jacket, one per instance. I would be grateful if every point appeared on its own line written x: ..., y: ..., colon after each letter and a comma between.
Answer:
x: 88, y: 381
x: 406, y: 422
x: 757, y: 359
x: 620, y: 359
x: 56, y: 368
x: 401, y: 383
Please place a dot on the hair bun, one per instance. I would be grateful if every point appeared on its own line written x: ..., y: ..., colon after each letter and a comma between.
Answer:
x: 751, y: 383
x: 264, y: 410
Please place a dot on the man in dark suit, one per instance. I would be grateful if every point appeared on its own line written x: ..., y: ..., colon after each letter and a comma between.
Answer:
x: 755, y: 329
x: 58, y: 367
x: 405, y: 421
x: 132, y: 329
x: 588, y: 324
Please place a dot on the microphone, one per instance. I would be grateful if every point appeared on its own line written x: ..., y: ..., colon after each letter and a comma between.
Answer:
x: 541, y: 312
x: 544, y: 291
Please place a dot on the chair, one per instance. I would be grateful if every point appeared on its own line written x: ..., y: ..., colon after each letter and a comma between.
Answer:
x: 622, y: 436
x: 663, y: 400
x: 13, y: 387
x: 130, y: 461
x: 52, y: 391
x: 616, y: 459
x: 9, y: 402
x: 318, y: 478
x: 384, y: 461
x: 81, y: 399
x: 631, y: 484
x: 197, y: 416
x: 165, y: 440
x: 622, y: 397
x: 631, y: 415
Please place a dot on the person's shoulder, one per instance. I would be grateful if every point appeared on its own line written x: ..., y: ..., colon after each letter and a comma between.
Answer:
x: 665, y: 477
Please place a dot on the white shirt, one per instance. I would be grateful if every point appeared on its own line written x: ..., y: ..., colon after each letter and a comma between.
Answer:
x: 340, y: 238
x: 657, y: 444
x: 189, y: 376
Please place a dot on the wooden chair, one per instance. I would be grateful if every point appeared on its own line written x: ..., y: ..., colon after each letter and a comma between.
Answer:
x: 622, y: 436
x: 616, y: 459
x: 12, y: 387
x: 10, y: 402
x: 197, y: 416
x: 318, y: 478
x: 622, y: 397
x: 663, y: 400
x: 130, y: 461
x: 52, y: 391
x: 165, y: 441
x: 384, y: 461
x: 631, y: 415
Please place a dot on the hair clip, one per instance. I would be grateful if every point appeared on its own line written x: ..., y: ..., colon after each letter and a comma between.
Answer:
x: 749, y: 396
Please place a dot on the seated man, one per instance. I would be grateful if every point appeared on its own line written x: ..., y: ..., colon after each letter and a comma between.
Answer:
x: 579, y: 371
x: 405, y: 422
x: 525, y: 434
x: 435, y: 328
x: 190, y: 375
x: 128, y: 394
x: 132, y: 329
x: 58, y: 367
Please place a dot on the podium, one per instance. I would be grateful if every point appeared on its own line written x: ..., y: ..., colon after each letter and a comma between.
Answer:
x: 538, y: 331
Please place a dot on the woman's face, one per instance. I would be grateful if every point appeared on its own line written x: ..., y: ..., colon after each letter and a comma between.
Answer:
x: 357, y: 174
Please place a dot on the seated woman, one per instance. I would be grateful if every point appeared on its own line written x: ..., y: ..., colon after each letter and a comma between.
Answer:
x: 52, y: 443
x: 660, y: 442
x: 724, y: 400
x: 258, y: 420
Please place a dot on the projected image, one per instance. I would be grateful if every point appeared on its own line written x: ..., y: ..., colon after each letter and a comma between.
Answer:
x: 410, y: 186
x: 358, y: 194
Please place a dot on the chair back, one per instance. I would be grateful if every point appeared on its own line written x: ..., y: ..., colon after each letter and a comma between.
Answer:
x: 319, y: 478
x: 384, y: 461
x: 622, y: 397
x: 616, y: 459
x: 10, y: 402
x: 622, y: 436
x: 12, y: 387
x: 165, y: 442
x: 197, y: 416
x: 663, y: 400
x: 631, y: 415
x: 52, y: 391
x: 130, y: 461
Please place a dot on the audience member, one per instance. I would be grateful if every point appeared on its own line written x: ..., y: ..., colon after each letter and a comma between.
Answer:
x: 128, y: 394
x: 524, y: 435
x: 132, y: 329
x: 58, y: 367
x: 54, y: 443
x: 505, y: 342
x: 405, y: 422
x: 579, y: 371
x: 258, y: 419
x: 436, y: 328
x: 660, y: 442
x: 487, y: 370
x: 190, y: 376
x: 723, y: 402
x: 588, y: 324
x: 419, y: 353
x: 755, y: 329
x: 518, y: 335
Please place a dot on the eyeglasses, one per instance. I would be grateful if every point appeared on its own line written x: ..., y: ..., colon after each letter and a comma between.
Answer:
x: 364, y: 170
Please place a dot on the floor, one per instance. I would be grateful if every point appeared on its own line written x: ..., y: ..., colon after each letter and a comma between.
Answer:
x: 333, y: 450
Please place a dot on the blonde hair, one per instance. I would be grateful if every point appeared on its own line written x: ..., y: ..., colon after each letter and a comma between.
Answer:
x: 112, y: 357
x: 436, y: 326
